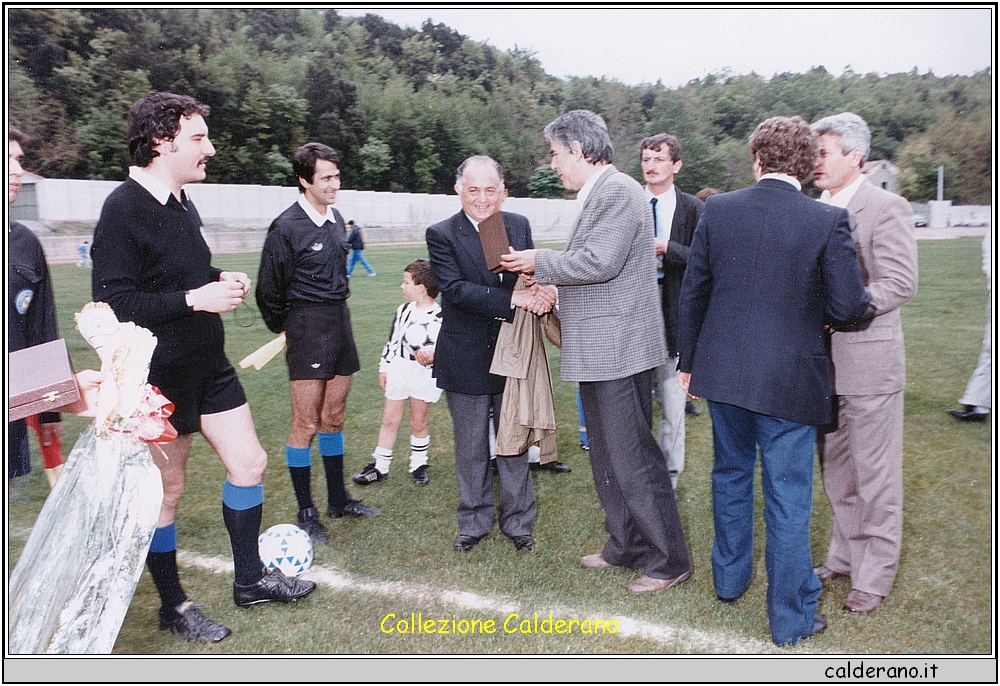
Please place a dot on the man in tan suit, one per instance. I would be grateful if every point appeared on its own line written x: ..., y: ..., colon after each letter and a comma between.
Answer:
x: 861, y: 452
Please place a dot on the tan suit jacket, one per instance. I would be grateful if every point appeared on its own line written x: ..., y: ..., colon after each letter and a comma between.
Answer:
x: 862, y: 453
x: 869, y: 359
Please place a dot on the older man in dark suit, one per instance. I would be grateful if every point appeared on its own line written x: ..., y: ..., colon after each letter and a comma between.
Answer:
x: 768, y: 267
x: 861, y: 452
x: 612, y: 340
x: 474, y: 303
x: 675, y: 214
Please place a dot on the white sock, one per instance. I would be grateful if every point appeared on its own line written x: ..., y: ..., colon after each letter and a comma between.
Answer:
x: 534, y: 453
x: 383, y: 459
x: 418, y: 451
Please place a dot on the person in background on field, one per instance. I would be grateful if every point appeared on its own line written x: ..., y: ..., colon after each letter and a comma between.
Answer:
x: 404, y: 373
x: 977, y: 400
x: 31, y: 314
x: 153, y: 267
x: 357, y: 242
x: 302, y: 290
x: 84, y: 250
x: 675, y: 214
x: 861, y: 452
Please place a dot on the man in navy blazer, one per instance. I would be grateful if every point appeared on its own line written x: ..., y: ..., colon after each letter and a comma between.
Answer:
x: 768, y: 268
x: 474, y: 303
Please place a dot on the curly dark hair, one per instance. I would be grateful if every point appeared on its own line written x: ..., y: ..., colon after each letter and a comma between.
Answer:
x: 157, y: 118
x: 17, y: 135
x: 304, y: 161
x: 420, y: 272
x: 785, y: 145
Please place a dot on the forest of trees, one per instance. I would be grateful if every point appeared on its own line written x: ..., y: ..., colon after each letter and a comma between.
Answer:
x: 404, y: 107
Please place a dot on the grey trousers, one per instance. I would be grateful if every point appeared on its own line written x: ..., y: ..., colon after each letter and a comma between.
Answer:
x: 631, y: 478
x: 470, y: 416
x: 673, y: 400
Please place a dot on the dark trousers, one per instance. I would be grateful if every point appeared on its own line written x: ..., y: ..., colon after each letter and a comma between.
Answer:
x: 631, y: 478
x: 470, y: 416
x: 787, y: 455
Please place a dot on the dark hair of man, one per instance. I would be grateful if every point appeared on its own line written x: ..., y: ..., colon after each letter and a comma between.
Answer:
x: 658, y: 141
x: 420, y: 272
x: 304, y: 161
x: 479, y: 159
x: 156, y: 118
x: 15, y: 134
x: 705, y: 192
x: 588, y: 129
x: 785, y: 145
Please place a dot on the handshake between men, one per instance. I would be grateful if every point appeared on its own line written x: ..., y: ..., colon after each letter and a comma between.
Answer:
x: 536, y: 298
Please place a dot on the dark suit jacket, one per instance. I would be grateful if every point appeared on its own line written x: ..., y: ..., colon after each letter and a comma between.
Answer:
x: 686, y: 216
x: 474, y: 302
x: 768, y: 267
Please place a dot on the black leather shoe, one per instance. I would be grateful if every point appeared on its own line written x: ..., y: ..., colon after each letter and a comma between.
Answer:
x: 464, y: 542
x: 274, y: 586
x: 308, y: 521
x: 968, y: 414
x: 526, y: 543
x: 690, y: 408
x: 420, y: 476
x: 355, y: 508
x: 727, y: 601
x: 557, y: 467
x: 493, y: 467
x: 194, y: 626
x: 369, y: 475
x: 819, y: 624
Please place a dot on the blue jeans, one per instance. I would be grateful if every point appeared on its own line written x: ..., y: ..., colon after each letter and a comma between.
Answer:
x: 358, y: 256
x: 787, y: 454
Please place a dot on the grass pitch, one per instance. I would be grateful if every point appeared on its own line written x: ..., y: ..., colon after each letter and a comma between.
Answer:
x: 402, y: 561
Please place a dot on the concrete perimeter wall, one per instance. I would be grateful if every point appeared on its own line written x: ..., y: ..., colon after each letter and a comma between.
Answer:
x: 240, y: 207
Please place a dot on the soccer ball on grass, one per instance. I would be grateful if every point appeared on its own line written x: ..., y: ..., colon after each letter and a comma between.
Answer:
x: 286, y: 547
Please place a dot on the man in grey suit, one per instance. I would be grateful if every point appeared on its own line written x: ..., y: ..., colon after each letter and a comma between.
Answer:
x: 612, y: 341
x: 675, y: 214
x: 861, y: 453
x: 474, y: 303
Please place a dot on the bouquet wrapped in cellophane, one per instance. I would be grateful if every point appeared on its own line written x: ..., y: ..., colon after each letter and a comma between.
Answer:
x: 75, y: 578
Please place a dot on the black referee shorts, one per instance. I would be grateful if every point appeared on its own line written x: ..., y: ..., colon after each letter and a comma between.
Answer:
x: 201, y: 386
x: 320, y: 342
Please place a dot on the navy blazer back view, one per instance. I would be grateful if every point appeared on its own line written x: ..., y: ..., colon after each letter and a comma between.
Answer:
x: 768, y: 268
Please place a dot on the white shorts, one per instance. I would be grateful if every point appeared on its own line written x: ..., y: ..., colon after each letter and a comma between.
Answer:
x: 410, y: 379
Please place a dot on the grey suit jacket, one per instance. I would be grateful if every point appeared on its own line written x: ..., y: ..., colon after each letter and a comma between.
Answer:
x: 609, y: 301
x: 869, y: 358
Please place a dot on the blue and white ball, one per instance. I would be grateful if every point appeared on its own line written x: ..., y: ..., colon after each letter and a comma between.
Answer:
x: 286, y: 547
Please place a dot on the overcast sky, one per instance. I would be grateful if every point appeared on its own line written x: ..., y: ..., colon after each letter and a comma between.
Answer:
x: 676, y: 45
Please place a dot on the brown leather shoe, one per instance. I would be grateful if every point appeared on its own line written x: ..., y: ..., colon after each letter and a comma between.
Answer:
x: 647, y: 584
x: 859, y: 602
x: 826, y: 574
x: 594, y: 561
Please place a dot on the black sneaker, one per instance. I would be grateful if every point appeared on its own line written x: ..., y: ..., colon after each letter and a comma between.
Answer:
x: 308, y: 521
x: 355, y: 508
x: 194, y: 626
x: 273, y: 586
x: 369, y: 475
x: 420, y: 475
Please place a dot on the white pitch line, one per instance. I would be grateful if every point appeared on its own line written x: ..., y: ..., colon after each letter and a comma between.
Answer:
x: 686, y: 640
